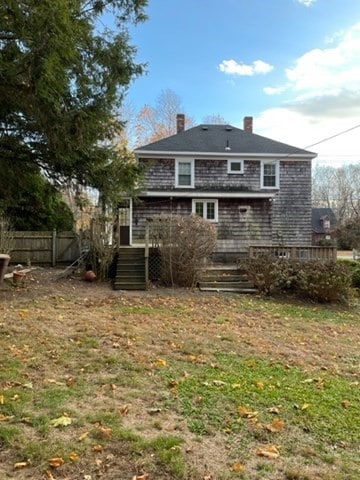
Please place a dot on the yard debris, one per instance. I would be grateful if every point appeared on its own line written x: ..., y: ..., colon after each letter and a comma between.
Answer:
x: 269, y: 451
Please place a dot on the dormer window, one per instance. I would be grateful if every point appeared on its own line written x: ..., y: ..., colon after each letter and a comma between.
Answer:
x: 235, y: 166
x: 326, y: 223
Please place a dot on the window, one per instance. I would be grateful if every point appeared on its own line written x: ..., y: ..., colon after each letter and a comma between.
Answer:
x: 184, y: 173
x: 207, y: 209
x: 270, y: 174
x: 235, y: 166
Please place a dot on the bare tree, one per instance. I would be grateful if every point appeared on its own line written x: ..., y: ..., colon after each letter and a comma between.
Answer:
x: 155, y: 123
x: 215, y: 120
x: 339, y: 189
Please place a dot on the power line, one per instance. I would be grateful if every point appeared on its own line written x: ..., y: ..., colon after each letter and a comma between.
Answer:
x: 333, y: 136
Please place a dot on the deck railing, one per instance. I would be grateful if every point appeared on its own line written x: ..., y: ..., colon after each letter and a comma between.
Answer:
x: 301, y: 253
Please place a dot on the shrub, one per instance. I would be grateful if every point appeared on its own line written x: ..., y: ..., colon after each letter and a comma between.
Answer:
x: 324, y: 282
x: 184, y: 243
x: 354, y: 267
x: 269, y: 274
x: 7, y: 241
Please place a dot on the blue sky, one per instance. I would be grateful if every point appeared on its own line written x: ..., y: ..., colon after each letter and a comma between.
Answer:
x: 294, y: 65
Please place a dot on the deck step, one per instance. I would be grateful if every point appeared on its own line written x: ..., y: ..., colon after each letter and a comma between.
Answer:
x: 224, y: 278
x: 130, y: 269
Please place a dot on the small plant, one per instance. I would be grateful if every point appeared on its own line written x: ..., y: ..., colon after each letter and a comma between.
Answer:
x: 7, y: 239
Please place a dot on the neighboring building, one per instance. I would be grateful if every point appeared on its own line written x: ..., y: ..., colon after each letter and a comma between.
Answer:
x: 323, y: 221
x: 256, y: 190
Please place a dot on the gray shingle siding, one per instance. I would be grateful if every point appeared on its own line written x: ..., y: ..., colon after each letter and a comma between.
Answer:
x: 210, y: 174
x: 292, y: 204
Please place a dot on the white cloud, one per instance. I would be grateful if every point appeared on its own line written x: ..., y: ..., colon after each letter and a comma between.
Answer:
x: 274, y: 90
x: 307, y: 3
x: 323, y: 79
x: 324, y: 88
x: 295, y: 128
x: 231, y: 67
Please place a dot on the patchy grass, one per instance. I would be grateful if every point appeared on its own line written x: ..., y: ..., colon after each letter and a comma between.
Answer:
x: 177, y: 385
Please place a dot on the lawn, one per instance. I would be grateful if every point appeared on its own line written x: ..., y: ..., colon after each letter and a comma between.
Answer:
x: 175, y: 384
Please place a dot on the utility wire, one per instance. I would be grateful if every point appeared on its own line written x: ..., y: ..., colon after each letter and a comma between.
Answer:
x: 333, y: 136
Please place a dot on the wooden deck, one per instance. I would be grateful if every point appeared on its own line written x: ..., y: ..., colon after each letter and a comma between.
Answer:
x: 301, y: 253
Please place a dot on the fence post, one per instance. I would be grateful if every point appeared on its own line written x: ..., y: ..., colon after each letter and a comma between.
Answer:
x: 53, y: 249
x: 147, y: 236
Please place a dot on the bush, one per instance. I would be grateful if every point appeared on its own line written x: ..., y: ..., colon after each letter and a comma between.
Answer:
x: 184, y: 243
x: 269, y: 274
x: 322, y: 282
x: 7, y: 241
x: 354, y: 267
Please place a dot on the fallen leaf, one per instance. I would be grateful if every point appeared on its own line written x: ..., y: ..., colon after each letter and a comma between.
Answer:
x: 238, y: 467
x: 98, y: 448
x: 1, y: 399
x: 269, y: 451
x: 308, y: 380
x: 305, y: 406
x: 124, y: 410
x: 74, y: 457
x: 275, y: 410
x: 219, y: 383
x: 21, y: 465
x: 245, y: 412
x: 4, y: 418
x: 56, y: 462
x: 83, y: 436
x: 346, y: 403
x: 145, y: 476
x: 104, y: 431
x: 62, y: 421
x: 160, y: 363
x: 49, y: 475
x: 260, y: 384
x: 275, y: 426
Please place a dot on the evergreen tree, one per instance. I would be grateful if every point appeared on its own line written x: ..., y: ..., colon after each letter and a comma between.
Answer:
x: 62, y: 78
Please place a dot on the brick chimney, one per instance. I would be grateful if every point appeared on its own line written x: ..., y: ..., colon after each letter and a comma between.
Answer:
x: 180, y: 122
x: 248, y: 124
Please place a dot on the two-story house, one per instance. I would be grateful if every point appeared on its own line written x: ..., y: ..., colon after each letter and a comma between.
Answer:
x: 256, y: 190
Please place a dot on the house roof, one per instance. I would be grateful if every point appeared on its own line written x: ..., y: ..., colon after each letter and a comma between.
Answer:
x: 221, y: 139
x: 317, y: 217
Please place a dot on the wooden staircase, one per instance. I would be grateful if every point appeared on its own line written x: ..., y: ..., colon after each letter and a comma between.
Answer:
x: 224, y: 278
x: 130, y: 269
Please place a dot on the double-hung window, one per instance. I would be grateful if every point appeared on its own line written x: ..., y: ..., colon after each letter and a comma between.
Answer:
x: 269, y: 174
x: 205, y: 208
x: 184, y: 173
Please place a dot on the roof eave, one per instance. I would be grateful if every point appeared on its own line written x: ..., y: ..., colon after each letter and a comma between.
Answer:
x: 254, y: 156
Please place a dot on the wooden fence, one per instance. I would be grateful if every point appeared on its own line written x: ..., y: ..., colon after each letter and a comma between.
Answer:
x: 45, y: 248
x: 306, y: 254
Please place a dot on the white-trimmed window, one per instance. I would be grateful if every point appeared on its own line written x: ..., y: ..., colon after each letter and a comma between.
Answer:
x: 184, y: 173
x: 206, y: 208
x: 269, y: 174
x: 235, y: 166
